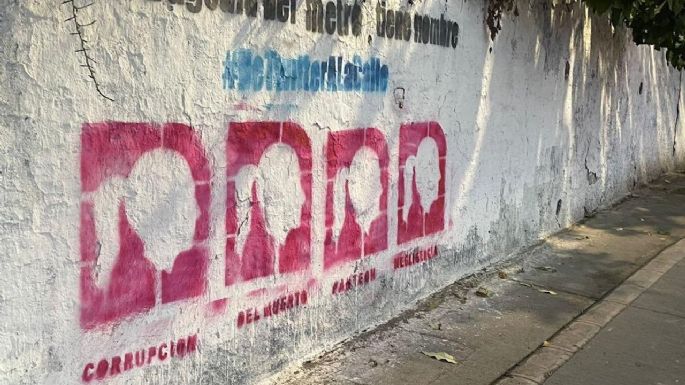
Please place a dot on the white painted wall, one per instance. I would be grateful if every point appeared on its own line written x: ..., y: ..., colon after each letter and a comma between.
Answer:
x: 557, y: 118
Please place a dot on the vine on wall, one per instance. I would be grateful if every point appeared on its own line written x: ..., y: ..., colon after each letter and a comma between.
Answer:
x: 88, y: 62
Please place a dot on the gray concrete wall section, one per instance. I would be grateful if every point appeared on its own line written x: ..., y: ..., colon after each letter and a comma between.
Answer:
x: 211, y: 191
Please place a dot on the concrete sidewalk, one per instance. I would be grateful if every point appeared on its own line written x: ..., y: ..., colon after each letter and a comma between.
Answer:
x: 644, y: 344
x: 536, y: 312
x: 632, y: 336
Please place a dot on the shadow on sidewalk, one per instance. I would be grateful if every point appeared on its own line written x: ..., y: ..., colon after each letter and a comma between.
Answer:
x: 530, y: 297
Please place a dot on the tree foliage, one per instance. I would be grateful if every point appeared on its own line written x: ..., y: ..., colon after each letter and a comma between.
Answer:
x: 660, y: 23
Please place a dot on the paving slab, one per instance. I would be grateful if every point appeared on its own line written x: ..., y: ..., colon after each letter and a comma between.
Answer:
x: 498, y: 331
x: 399, y: 359
x: 667, y: 295
x: 589, y: 261
x: 638, y: 347
x: 574, y: 337
x: 654, y: 211
x: 595, y: 256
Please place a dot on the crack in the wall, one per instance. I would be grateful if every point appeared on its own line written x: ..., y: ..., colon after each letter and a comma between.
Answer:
x: 591, y: 175
x: 677, y: 112
x: 185, y: 109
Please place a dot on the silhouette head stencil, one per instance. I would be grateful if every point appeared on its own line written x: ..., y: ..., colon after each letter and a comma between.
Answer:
x: 276, y: 181
x: 158, y: 201
x: 423, y: 171
x: 144, y: 218
x: 421, y: 198
x: 362, y: 182
x: 357, y: 191
x: 268, y: 200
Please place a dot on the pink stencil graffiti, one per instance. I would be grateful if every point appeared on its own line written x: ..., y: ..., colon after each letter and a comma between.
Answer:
x: 144, y: 218
x: 269, y: 192
x: 421, y: 198
x: 356, y: 195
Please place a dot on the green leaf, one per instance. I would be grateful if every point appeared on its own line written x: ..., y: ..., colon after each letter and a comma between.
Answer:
x: 660, y: 23
x: 600, y: 6
x: 616, y: 17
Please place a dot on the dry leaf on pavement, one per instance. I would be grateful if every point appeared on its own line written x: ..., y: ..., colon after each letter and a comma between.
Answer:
x: 442, y: 356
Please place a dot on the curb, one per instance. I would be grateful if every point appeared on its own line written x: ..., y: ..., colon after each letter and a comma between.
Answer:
x: 544, y: 361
